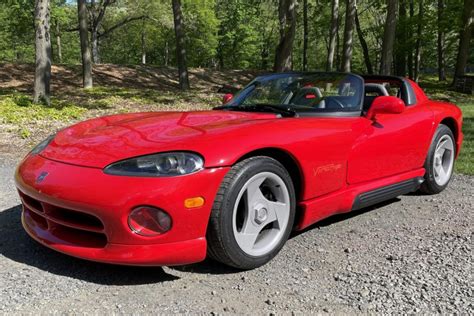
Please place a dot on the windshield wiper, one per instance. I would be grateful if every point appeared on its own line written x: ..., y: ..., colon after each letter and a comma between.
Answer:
x: 260, y: 107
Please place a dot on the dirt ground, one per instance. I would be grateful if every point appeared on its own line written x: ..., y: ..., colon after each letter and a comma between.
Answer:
x: 116, y: 89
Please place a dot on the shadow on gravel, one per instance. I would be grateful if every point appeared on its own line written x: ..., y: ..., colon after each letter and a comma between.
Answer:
x: 344, y: 216
x: 16, y: 245
x: 208, y: 266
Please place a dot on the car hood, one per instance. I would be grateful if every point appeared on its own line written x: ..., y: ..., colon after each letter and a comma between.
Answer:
x: 102, y: 141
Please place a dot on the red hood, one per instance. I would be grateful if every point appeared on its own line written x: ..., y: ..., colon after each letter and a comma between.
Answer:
x: 101, y: 141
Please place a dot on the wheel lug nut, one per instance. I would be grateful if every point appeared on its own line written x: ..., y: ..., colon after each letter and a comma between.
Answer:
x: 260, y: 215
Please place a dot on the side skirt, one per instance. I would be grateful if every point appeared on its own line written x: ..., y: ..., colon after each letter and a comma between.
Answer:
x: 357, y: 196
x: 386, y: 193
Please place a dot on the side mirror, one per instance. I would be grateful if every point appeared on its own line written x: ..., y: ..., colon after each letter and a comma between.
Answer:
x: 227, y: 97
x: 385, y: 105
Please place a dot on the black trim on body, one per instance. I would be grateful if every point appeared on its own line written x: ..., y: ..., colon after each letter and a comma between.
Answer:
x: 386, y: 193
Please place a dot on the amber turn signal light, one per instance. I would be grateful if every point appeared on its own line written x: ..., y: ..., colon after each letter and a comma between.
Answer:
x: 194, y: 202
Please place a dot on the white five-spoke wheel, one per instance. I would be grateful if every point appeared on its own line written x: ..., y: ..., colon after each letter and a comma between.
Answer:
x: 261, y: 213
x: 253, y: 213
x: 439, y: 162
x: 443, y: 160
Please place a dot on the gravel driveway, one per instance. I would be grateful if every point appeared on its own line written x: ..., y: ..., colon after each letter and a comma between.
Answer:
x: 413, y: 254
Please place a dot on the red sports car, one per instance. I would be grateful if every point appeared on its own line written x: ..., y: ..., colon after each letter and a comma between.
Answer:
x: 289, y: 149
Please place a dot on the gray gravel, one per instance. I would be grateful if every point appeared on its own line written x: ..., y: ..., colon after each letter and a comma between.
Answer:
x: 411, y: 255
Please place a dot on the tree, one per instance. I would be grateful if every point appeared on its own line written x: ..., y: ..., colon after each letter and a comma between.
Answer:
x: 389, y: 38
x: 440, y: 46
x: 85, y: 48
x: 143, y: 42
x: 333, y: 31
x: 348, y: 35
x: 464, y: 39
x: 419, y: 32
x: 180, y: 45
x: 58, y: 42
x: 305, y: 35
x: 363, y: 44
x: 97, y: 13
x: 411, y: 43
x: 43, y: 52
x: 401, y: 40
x: 287, y: 22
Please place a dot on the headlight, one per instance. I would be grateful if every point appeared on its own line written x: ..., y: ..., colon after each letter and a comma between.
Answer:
x: 158, y: 165
x: 41, y: 146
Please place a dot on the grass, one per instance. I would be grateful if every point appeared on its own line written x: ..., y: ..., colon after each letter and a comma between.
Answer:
x: 17, y: 108
x: 23, y: 118
x: 31, y: 122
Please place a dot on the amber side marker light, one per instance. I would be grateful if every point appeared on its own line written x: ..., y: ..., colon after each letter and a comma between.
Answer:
x: 194, y: 202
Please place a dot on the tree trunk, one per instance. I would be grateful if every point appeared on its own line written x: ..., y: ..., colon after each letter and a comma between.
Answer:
x: 389, y: 38
x: 348, y: 35
x: 338, y: 50
x: 43, y: 52
x: 305, y: 35
x: 441, y: 67
x: 264, y: 54
x: 85, y: 48
x: 58, y: 42
x: 464, y: 39
x: 143, y: 44
x: 333, y: 31
x: 167, y: 53
x: 419, y: 31
x: 180, y: 45
x: 363, y: 44
x: 95, y: 46
x: 410, y: 48
x: 400, y: 47
x: 287, y: 20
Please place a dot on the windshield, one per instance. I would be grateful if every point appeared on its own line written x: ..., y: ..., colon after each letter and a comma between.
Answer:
x: 302, y: 92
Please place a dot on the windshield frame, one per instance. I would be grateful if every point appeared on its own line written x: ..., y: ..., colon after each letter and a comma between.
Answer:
x: 241, y: 95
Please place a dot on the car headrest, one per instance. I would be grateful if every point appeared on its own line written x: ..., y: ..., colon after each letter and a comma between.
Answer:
x: 310, y: 91
x: 376, y: 88
x: 306, y: 96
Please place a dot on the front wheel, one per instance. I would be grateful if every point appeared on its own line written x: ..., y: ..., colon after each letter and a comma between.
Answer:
x: 252, y: 215
x: 439, y: 163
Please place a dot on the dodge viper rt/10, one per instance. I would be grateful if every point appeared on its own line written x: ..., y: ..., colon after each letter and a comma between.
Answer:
x: 289, y: 149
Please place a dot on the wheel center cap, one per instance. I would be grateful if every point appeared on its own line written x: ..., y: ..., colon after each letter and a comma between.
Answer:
x: 261, y: 214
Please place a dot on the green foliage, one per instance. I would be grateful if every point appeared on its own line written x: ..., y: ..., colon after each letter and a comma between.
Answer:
x: 201, y: 27
x: 247, y: 33
x: 17, y: 30
x: 230, y: 34
x: 17, y: 108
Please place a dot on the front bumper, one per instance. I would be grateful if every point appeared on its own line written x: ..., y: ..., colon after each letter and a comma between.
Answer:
x: 83, y: 212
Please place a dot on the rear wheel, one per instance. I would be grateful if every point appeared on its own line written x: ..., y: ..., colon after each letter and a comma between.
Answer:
x: 252, y: 215
x: 439, y: 163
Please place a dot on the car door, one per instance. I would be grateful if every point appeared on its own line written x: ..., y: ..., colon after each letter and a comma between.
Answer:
x: 393, y: 144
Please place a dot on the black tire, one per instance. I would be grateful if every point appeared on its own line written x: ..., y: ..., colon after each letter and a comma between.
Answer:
x: 222, y: 245
x: 429, y: 186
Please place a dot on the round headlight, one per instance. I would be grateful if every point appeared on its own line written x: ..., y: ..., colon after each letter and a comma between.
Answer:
x: 158, y: 165
x: 149, y: 221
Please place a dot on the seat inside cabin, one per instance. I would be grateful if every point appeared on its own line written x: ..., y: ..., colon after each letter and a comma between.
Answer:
x: 372, y: 91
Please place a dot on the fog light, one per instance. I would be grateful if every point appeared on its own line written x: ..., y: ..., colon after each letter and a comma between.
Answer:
x: 194, y: 202
x: 149, y: 221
